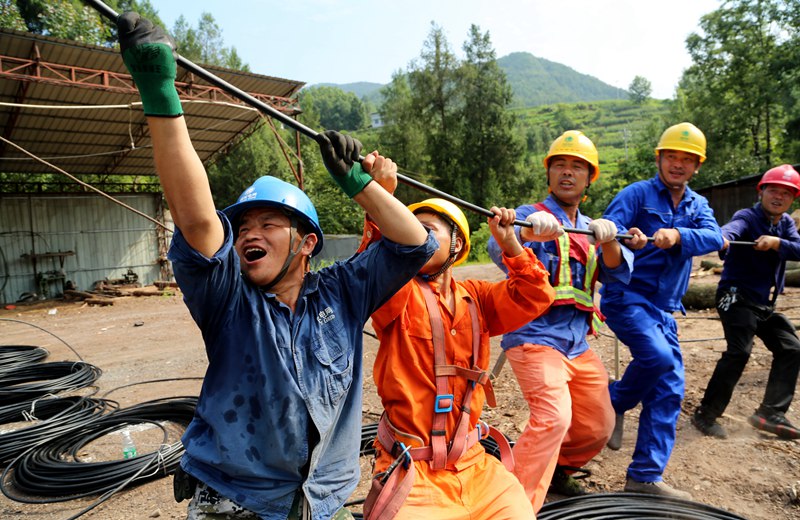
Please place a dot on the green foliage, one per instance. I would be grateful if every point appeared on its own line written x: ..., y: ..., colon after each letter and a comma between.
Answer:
x: 639, y: 90
x: 741, y: 88
x: 69, y: 19
x: 479, y: 241
x: 205, y: 43
x: 337, y: 109
x: 10, y: 17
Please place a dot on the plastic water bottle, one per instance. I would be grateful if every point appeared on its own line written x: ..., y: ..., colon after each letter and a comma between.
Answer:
x: 128, y: 447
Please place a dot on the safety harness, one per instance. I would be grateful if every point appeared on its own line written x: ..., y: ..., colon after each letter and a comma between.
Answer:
x: 391, y: 487
x: 573, y: 245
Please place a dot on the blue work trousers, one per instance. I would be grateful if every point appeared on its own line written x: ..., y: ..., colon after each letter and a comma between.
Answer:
x: 654, y: 378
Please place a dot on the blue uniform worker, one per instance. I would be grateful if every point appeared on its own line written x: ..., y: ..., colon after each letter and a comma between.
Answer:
x: 275, y: 375
x: 751, y: 281
x: 682, y: 225
x: 276, y: 431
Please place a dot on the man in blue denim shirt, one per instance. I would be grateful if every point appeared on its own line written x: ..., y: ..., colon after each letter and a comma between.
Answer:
x: 640, y: 314
x: 277, y: 428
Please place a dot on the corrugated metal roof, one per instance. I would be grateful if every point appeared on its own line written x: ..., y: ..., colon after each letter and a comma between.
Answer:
x: 41, y: 70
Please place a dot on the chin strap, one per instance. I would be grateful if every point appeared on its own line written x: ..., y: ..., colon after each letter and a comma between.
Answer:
x: 447, y: 263
x: 289, y: 257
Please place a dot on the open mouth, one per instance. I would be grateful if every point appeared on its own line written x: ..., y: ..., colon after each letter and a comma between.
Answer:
x: 251, y: 254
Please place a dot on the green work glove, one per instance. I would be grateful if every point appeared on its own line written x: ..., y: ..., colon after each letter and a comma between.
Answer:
x: 340, y: 153
x: 149, y: 54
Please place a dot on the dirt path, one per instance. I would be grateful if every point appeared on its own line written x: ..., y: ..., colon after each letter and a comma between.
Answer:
x: 151, y: 338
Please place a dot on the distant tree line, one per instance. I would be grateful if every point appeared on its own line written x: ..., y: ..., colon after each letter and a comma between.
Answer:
x: 449, y: 120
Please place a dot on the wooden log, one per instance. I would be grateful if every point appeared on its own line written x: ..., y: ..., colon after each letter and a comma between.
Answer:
x: 793, y: 278
x: 708, y: 264
x: 102, y: 302
x: 700, y: 296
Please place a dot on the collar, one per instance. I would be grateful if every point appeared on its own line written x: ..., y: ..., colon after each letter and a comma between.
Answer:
x: 551, y: 204
x: 688, y: 193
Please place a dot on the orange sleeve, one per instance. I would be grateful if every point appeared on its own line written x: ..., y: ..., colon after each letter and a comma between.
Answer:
x: 372, y: 233
x: 511, y: 303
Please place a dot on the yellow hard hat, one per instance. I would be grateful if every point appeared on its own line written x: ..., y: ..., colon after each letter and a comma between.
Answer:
x: 684, y: 137
x: 574, y: 143
x: 453, y: 213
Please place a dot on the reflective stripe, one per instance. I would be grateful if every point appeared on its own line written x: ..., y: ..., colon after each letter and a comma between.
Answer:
x: 566, y: 293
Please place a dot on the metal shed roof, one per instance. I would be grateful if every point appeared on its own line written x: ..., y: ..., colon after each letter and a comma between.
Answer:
x: 37, y: 71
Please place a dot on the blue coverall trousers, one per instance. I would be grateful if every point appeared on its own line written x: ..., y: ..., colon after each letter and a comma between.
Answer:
x: 654, y: 378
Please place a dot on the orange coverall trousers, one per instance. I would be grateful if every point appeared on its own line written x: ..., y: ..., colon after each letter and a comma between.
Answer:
x: 571, y: 417
x: 478, y: 487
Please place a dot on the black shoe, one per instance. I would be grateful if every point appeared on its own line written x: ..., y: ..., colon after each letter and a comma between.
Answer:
x: 776, y: 423
x: 567, y: 485
x: 707, y: 425
x: 615, y: 441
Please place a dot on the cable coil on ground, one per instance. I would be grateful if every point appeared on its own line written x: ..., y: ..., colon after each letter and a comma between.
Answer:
x: 630, y: 506
x: 51, y: 417
x: 39, y: 379
x: 54, y: 470
x: 14, y: 356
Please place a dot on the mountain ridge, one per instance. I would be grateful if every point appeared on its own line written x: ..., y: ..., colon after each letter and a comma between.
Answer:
x: 535, y: 81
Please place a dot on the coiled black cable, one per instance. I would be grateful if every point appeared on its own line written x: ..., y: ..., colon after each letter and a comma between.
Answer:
x: 39, y: 379
x: 53, y: 469
x: 13, y: 356
x: 630, y: 506
x: 53, y: 415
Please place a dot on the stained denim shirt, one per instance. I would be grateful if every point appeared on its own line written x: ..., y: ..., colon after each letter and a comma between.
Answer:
x: 276, y: 378
x: 562, y: 327
x: 662, y: 275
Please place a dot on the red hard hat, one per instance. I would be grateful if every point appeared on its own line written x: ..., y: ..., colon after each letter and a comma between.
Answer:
x: 783, y: 175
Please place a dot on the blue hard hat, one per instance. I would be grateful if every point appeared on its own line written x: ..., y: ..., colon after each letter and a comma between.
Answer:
x: 271, y: 192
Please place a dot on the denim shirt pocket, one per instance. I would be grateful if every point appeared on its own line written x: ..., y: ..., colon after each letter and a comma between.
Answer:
x: 331, y: 348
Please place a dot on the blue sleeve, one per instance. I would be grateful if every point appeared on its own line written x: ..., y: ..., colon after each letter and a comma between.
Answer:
x: 622, y: 273
x: 624, y: 208
x: 790, y: 242
x: 736, y: 226
x: 704, y: 235
x: 209, y: 285
x: 379, y: 271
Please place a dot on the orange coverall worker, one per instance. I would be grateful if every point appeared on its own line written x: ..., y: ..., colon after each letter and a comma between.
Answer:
x: 477, y: 485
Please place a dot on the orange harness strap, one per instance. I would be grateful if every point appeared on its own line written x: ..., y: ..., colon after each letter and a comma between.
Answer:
x: 391, y: 488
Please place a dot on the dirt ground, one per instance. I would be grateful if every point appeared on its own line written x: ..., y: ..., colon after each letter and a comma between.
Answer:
x: 141, y: 339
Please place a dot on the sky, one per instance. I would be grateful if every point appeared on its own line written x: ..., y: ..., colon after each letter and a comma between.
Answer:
x: 338, y: 41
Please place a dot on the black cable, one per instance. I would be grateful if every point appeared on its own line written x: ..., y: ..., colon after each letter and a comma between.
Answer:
x: 39, y: 379
x: 44, y: 330
x: 13, y: 356
x: 53, y: 416
x: 54, y: 470
x: 624, y: 506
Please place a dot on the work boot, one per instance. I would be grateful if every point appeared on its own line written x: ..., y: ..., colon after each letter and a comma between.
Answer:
x: 776, y: 423
x: 708, y: 425
x: 564, y: 484
x: 615, y: 441
x: 655, y: 488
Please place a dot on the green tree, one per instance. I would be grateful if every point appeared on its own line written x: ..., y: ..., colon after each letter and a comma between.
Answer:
x: 205, y: 43
x: 491, y: 148
x: 434, y: 85
x: 639, y: 90
x: 10, y: 17
x: 73, y: 19
x: 737, y: 86
x: 337, y: 109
